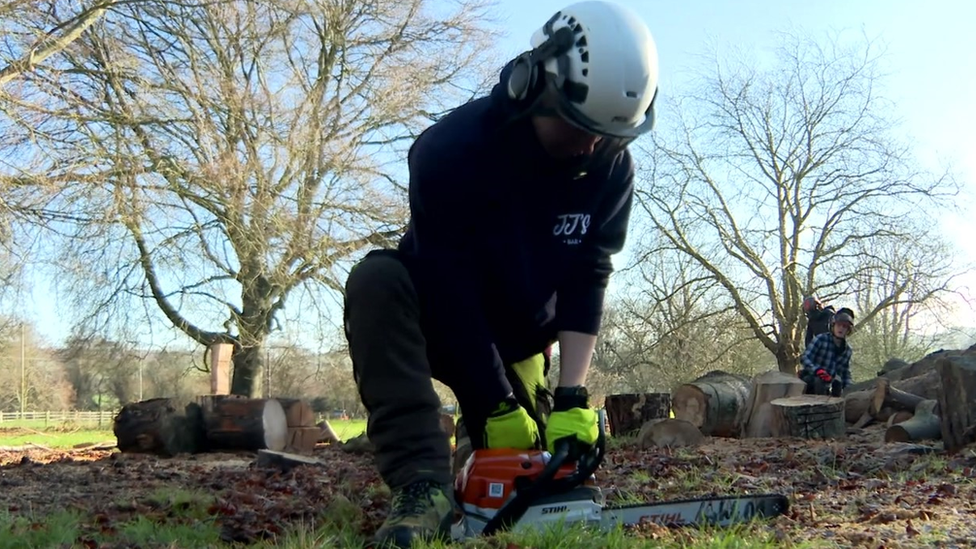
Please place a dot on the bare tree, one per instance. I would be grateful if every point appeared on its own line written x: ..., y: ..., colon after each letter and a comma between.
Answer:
x: 914, y: 275
x: 240, y: 152
x: 31, y: 377
x: 34, y: 31
x: 669, y: 326
x: 778, y: 176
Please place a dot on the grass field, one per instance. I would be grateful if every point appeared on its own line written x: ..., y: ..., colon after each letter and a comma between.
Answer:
x: 69, y: 434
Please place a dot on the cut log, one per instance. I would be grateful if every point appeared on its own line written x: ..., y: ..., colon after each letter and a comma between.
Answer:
x: 298, y: 413
x: 715, y: 403
x: 284, y: 461
x: 919, y: 368
x: 628, y: 412
x: 957, y: 402
x: 809, y: 416
x: 856, y: 406
x: 863, y: 421
x: 765, y: 388
x: 302, y: 440
x: 161, y: 426
x: 887, y: 396
x: 669, y: 433
x: 899, y: 417
x: 246, y: 424
x: 327, y: 433
x: 891, y: 365
x: 447, y: 424
x: 885, y: 414
x: 925, y: 424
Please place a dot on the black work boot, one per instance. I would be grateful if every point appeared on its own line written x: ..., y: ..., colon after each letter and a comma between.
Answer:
x: 421, y: 511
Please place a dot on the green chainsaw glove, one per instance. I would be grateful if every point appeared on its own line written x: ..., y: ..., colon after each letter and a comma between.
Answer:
x: 532, y: 377
x: 572, y: 418
x: 510, y: 426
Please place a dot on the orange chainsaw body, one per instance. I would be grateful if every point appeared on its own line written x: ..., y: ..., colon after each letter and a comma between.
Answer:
x: 488, y: 478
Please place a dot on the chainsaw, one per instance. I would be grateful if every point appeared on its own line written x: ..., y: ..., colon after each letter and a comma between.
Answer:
x: 507, y: 489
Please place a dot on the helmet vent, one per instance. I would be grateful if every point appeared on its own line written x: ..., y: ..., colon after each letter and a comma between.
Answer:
x: 631, y: 94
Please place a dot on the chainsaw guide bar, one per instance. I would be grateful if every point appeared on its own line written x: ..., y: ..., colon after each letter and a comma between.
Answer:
x: 514, y: 490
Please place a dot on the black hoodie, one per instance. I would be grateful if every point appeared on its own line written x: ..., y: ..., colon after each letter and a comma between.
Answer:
x: 497, y: 232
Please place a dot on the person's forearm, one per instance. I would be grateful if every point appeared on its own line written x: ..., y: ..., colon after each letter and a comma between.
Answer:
x: 575, y: 354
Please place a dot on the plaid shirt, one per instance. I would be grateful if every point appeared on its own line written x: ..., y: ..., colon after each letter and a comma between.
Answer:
x: 823, y: 353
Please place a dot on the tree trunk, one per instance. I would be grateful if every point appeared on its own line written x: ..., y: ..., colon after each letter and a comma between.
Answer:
x: 628, y: 412
x: 765, y: 388
x: 246, y: 424
x: 809, y: 416
x: 957, y: 402
x: 925, y: 424
x: 248, y: 366
x: 160, y: 426
x: 715, y: 403
x: 788, y: 362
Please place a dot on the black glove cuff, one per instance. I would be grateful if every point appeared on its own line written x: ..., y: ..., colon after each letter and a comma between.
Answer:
x: 566, y: 398
x: 510, y: 404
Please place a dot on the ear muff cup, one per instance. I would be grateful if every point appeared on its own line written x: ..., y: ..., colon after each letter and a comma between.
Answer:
x: 522, y: 78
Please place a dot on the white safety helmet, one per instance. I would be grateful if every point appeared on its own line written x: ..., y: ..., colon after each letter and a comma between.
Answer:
x: 601, y: 61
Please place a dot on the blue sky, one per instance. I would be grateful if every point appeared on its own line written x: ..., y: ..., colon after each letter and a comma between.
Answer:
x: 929, y: 51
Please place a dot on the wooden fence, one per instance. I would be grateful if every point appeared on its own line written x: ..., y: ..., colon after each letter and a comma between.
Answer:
x: 104, y: 417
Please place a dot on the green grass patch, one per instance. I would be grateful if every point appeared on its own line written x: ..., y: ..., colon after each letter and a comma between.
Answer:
x: 67, y: 435
x: 54, y: 439
x: 167, y: 518
x: 346, y: 429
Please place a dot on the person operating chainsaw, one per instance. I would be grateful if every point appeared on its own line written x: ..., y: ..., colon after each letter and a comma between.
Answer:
x: 518, y: 200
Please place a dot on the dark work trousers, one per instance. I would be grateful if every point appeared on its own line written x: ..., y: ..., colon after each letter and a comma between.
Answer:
x: 817, y: 386
x: 384, y: 328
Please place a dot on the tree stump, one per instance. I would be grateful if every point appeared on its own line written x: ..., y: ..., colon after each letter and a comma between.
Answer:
x: 925, y: 424
x: 628, y: 412
x: 957, y: 402
x: 246, y: 424
x: 160, y: 426
x: 767, y: 387
x: 809, y: 416
x: 715, y: 403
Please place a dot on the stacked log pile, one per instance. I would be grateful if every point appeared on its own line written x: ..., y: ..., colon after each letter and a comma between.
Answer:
x: 933, y: 398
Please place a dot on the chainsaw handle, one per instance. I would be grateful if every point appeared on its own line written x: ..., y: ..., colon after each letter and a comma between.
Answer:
x: 544, y: 484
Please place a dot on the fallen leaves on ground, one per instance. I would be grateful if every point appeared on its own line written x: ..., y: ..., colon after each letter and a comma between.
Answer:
x: 856, y: 492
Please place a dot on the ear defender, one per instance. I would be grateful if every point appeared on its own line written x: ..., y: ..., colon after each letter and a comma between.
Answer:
x: 522, y: 78
x: 524, y: 82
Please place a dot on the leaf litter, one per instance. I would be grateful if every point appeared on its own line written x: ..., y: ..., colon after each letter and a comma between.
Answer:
x: 853, y: 493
